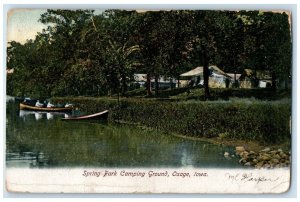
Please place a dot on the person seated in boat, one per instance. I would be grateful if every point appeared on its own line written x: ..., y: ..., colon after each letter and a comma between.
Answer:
x: 27, y: 100
x: 49, y: 105
x: 38, y: 104
x: 68, y: 105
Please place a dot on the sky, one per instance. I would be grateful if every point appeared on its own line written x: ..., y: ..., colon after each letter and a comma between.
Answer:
x: 22, y: 24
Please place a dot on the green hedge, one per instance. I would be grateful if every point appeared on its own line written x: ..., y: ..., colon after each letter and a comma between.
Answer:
x: 266, y: 122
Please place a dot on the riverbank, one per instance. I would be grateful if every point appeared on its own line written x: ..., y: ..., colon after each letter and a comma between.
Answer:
x: 251, y: 153
x: 247, y: 145
x: 267, y: 122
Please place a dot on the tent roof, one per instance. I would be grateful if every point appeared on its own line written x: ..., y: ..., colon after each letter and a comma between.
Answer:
x: 199, y: 71
x: 194, y: 72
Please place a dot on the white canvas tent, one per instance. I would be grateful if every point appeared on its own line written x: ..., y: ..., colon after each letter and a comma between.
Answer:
x: 217, y: 77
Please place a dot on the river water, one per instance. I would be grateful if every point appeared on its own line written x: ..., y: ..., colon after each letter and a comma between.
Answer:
x: 43, y: 140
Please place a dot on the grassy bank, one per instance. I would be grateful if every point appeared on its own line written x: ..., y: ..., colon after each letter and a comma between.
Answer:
x: 197, y: 93
x: 250, y: 120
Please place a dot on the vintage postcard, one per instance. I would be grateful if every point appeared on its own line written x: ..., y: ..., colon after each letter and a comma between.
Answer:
x: 148, y: 101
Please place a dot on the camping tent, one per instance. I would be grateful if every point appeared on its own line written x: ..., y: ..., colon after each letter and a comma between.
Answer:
x: 217, y: 76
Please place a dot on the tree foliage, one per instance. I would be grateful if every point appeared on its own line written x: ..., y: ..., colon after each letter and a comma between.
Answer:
x: 81, y: 53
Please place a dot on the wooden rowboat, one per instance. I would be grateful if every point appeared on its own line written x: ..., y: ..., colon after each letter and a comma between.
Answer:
x: 45, y: 109
x: 100, y: 115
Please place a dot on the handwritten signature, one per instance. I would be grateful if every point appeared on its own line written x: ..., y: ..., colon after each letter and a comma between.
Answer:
x: 250, y: 177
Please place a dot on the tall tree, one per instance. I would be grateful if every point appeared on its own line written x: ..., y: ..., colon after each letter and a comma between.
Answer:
x: 120, y: 33
x: 230, y: 48
x: 268, y: 43
x: 164, y: 38
x: 209, y: 30
x: 65, y: 30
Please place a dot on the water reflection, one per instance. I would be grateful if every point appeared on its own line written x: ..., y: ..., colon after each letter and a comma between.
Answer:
x: 185, y: 159
x: 23, y: 113
x: 26, y: 159
x: 50, y: 116
x: 40, y: 115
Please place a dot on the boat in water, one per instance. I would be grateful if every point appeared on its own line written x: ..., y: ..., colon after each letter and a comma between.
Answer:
x: 100, y: 115
x: 24, y: 106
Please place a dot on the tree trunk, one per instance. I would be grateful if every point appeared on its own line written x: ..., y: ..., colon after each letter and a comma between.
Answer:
x: 205, y: 74
x: 286, y: 83
x: 156, y: 85
x: 98, y: 90
x: 274, y: 83
x: 234, y: 84
x: 235, y: 81
x: 124, y: 84
x: 256, y: 81
x: 148, y: 85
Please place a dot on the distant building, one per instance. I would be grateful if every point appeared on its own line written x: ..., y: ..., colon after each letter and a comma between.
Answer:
x: 217, y: 78
x: 259, y: 79
x: 163, y: 82
x: 140, y: 79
